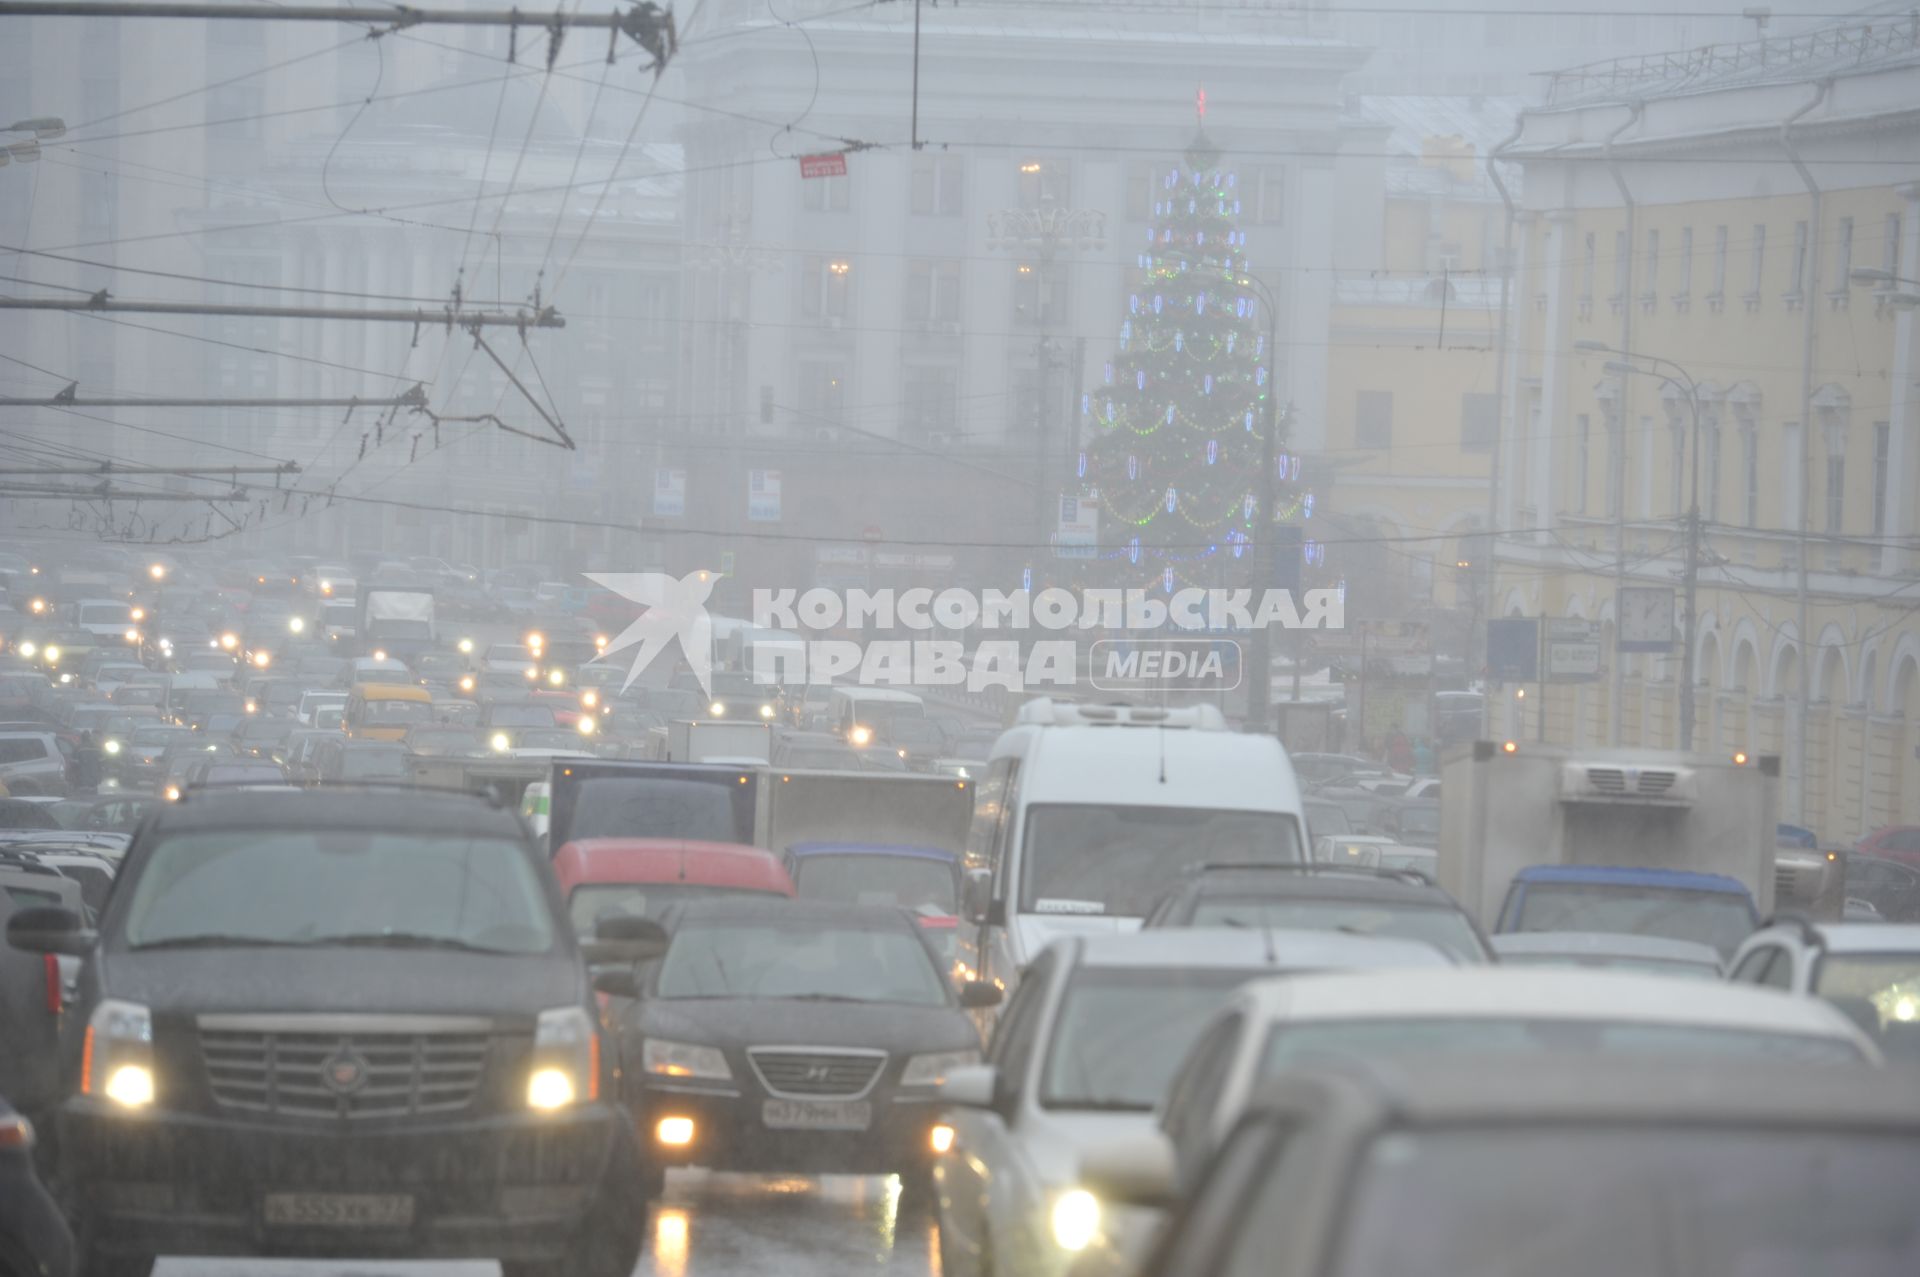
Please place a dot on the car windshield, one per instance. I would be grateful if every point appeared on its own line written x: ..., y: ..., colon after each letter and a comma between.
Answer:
x: 1718, y: 918
x: 1123, y: 1031
x: 446, y: 742
x: 310, y: 886
x: 373, y: 764
x: 911, y: 882
x: 548, y: 738
x: 106, y: 614
x: 1293, y: 1045
x: 1881, y: 992
x: 592, y: 901
x: 396, y: 713
x: 521, y: 716
x: 1735, y: 1203
x: 1442, y: 926
x: 768, y: 959
x: 1119, y: 860
x: 1418, y: 823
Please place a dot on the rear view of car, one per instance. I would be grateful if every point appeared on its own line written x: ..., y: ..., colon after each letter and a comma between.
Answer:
x: 315, y: 1028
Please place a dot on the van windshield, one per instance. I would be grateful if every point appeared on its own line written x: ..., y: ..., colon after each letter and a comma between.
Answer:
x: 1119, y: 860
x: 1718, y: 918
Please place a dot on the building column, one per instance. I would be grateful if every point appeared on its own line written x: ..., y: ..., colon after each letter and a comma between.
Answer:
x: 1553, y: 363
x: 1903, y: 411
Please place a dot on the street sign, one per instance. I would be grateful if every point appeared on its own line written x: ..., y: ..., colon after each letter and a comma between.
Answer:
x: 763, y: 496
x: 831, y: 164
x: 726, y: 562
x: 1077, y: 535
x: 669, y: 493
x: 1513, y: 649
x: 1573, y: 649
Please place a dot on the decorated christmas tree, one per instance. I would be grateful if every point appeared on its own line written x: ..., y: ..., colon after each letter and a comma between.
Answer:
x: 1174, y: 436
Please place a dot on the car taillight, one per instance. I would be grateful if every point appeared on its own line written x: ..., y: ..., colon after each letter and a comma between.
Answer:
x: 56, y: 1002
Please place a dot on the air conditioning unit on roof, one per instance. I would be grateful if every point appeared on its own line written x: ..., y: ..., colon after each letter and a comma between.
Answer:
x: 1052, y: 713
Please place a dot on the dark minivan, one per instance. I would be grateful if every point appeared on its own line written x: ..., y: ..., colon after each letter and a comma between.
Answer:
x: 317, y: 1028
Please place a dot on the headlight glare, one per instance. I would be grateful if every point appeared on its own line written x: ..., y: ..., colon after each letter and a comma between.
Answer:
x: 566, y: 1060
x: 666, y: 1058
x: 116, y: 1056
x: 1076, y: 1219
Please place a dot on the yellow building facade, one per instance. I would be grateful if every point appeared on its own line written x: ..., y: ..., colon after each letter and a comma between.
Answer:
x: 1744, y: 224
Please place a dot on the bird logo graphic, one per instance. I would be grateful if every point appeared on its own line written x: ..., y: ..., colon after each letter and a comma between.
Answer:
x: 676, y: 609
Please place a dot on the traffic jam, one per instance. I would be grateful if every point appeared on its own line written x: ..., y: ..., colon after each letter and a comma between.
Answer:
x: 348, y: 922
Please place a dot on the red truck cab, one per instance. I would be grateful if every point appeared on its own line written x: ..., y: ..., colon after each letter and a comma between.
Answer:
x: 646, y: 875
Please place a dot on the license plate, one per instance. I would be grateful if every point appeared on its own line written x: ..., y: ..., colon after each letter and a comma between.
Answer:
x: 339, y: 1210
x: 816, y: 1115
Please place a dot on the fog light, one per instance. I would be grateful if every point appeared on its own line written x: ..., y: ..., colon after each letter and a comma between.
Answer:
x: 940, y: 1138
x: 1076, y: 1219
x: 131, y: 1086
x: 675, y: 1131
x: 549, y: 1089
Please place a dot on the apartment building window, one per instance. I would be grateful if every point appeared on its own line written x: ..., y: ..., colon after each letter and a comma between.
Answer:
x: 1882, y: 440
x: 937, y: 185
x: 1842, y: 258
x: 1044, y: 182
x: 233, y: 110
x: 1750, y: 467
x: 1033, y: 306
x: 1622, y: 267
x: 1373, y: 419
x: 1797, y: 282
x: 1836, y: 488
x: 826, y: 194
x: 823, y: 392
x: 1479, y: 421
x: 1686, y: 264
x: 1719, y: 289
x: 1710, y: 464
x: 1890, y: 245
x: 1650, y: 286
x: 1264, y: 200
x: 825, y: 286
x: 1582, y: 442
x: 931, y: 400
x: 1586, y: 268
x: 1758, y: 248
x: 933, y: 292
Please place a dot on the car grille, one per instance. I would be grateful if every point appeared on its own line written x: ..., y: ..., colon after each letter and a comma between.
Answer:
x: 815, y: 1073
x: 352, y: 1075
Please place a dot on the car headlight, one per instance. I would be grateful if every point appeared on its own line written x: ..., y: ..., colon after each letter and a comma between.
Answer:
x: 112, y: 747
x: 683, y: 1059
x: 766, y: 711
x: 861, y: 734
x: 928, y: 1070
x: 116, y: 1059
x: 717, y: 709
x: 28, y: 647
x: 566, y: 1060
x: 501, y: 741
x: 1076, y: 1219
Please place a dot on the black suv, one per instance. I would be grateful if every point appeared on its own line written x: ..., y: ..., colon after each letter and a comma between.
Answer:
x: 1403, y: 904
x: 340, y: 1023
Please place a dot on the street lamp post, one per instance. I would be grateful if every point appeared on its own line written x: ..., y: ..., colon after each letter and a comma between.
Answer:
x: 1040, y: 232
x: 1690, y: 589
x: 1874, y: 275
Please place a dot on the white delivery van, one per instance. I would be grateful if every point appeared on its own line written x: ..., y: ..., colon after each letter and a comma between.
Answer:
x: 1088, y: 813
x: 862, y: 715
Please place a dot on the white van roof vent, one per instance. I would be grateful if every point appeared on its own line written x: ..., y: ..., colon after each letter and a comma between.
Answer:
x: 1052, y: 713
x: 1615, y: 781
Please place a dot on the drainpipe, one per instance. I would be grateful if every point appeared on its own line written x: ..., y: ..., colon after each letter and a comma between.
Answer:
x: 1623, y: 388
x: 1500, y: 405
x: 1812, y: 286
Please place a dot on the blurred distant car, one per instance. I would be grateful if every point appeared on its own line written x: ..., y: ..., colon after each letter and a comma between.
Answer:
x: 1891, y: 887
x: 1305, y: 897
x: 1870, y: 971
x: 1082, y: 1055
x: 1895, y: 842
x: 434, y: 740
x: 1654, y: 955
x: 1569, y: 1168
x: 32, y: 762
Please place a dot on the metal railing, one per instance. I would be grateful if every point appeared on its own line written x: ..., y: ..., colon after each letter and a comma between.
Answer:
x: 1858, y: 45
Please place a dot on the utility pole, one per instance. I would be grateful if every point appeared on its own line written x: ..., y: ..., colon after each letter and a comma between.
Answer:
x: 1265, y: 558
x: 449, y: 317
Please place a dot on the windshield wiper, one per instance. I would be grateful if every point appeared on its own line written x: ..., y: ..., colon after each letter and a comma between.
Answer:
x: 820, y: 997
x: 398, y: 940
x: 221, y: 942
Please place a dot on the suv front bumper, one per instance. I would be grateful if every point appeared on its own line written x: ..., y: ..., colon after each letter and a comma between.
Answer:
x: 513, y: 1187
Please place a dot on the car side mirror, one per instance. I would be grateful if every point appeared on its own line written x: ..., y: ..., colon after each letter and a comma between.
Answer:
x: 1137, y: 1169
x: 50, y: 929
x: 625, y: 939
x: 617, y: 981
x: 973, y: 1086
x: 977, y: 995
x: 976, y: 896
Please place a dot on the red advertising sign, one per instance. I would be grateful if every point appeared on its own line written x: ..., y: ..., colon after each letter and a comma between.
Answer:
x: 832, y: 164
